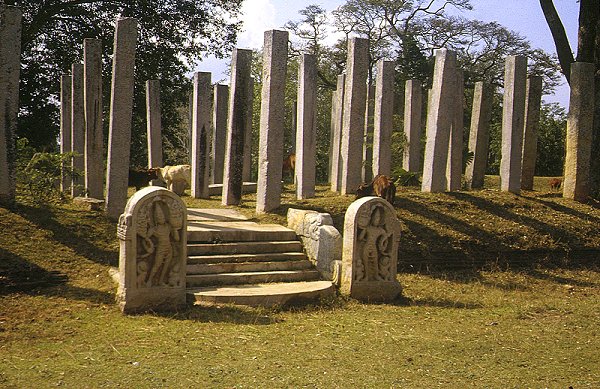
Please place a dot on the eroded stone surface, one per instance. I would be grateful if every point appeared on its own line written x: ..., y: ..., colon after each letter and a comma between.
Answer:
x: 153, y: 252
x: 370, y: 250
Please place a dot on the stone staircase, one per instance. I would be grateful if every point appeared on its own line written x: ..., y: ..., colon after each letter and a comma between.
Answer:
x: 233, y: 260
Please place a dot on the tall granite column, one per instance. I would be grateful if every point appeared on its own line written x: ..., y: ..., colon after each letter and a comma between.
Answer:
x: 455, y: 149
x: 413, y: 107
x: 92, y: 95
x: 440, y: 117
x: 580, y: 124
x: 237, y: 120
x: 336, y: 161
x: 513, y: 119
x: 77, y: 129
x: 306, y: 134
x: 121, y: 116
x: 201, y: 122
x: 219, y: 137
x: 153, y: 126
x: 479, y: 136
x: 65, y: 127
x: 270, y: 152
x: 10, y: 66
x: 383, y: 118
x: 353, y: 125
x: 533, y: 101
x: 367, y: 163
x: 247, y: 173
x: 331, y: 135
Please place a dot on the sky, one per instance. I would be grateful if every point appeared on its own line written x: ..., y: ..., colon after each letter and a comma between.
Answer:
x: 522, y: 16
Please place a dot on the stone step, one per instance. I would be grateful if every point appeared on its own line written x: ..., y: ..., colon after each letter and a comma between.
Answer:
x: 265, y: 295
x: 237, y: 232
x: 245, y: 247
x: 244, y: 267
x: 197, y: 280
x: 240, y: 258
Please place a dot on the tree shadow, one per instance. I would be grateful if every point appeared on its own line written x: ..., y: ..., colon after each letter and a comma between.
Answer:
x: 68, y: 235
x: 561, y: 208
x: 222, y: 314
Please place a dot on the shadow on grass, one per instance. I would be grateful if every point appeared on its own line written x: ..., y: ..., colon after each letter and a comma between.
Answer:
x: 17, y: 274
x: 566, y: 210
x: 70, y: 235
x: 223, y: 314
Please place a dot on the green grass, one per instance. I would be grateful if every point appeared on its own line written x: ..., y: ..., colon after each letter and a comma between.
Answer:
x: 526, y: 327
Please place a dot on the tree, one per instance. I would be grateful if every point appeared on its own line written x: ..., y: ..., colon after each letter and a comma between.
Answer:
x: 588, y: 50
x: 173, y: 35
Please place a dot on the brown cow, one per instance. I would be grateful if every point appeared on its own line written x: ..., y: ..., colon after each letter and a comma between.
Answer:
x: 141, y: 177
x: 555, y: 183
x: 289, y: 166
x: 381, y: 186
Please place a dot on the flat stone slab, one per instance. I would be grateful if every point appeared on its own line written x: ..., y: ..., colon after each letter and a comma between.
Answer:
x: 217, y: 189
x: 265, y: 295
x: 89, y: 203
x: 233, y: 231
x: 214, y: 214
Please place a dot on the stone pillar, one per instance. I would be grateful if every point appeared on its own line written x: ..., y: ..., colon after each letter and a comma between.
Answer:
x: 513, y: 119
x: 201, y: 122
x: 580, y: 123
x: 355, y: 99
x: 336, y: 162
x: 247, y: 173
x: 153, y: 126
x: 533, y: 101
x: 370, y: 250
x: 455, y: 148
x: 77, y: 129
x: 367, y: 163
x: 384, y: 118
x: 270, y: 153
x: 237, y: 120
x: 65, y: 127
x: 479, y: 136
x: 219, y: 123
x: 306, y: 133
x: 413, y: 106
x: 440, y: 116
x: 94, y: 138
x: 152, y: 278
x: 331, y: 135
x: 10, y: 66
x: 121, y: 116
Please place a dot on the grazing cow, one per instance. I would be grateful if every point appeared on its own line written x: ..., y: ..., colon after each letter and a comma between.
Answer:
x: 176, y: 177
x: 141, y: 177
x: 381, y: 186
x: 289, y: 166
x: 555, y: 183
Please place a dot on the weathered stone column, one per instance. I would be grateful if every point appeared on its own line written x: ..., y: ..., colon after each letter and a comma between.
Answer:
x: 533, y: 102
x: 153, y: 126
x: 336, y: 162
x: 384, y: 115
x: 219, y: 123
x: 201, y: 122
x: 77, y: 128
x: 580, y: 123
x: 121, y: 116
x: 370, y: 250
x: 331, y: 135
x: 367, y: 163
x: 513, y: 119
x: 10, y: 66
x: 94, y: 142
x: 247, y: 173
x: 237, y: 120
x: 65, y: 127
x: 306, y: 133
x: 479, y: 136
x: 455, y: 148
x: 270, y: 153
x: 440, y: 116
x: 355, y: 99
x: 413, y: 107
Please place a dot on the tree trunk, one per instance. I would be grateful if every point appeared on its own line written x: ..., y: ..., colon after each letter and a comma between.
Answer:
x: 563, y: 48
x: 586, y: 37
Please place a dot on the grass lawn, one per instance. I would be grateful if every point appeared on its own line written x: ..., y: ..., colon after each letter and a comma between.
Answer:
x: 536, y: 326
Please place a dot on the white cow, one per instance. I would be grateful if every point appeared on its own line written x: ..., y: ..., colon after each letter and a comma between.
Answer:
x: 176, y: 177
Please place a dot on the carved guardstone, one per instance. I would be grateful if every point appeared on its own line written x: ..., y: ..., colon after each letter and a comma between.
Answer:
x: 370, y: 250
x: 153, y: 251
